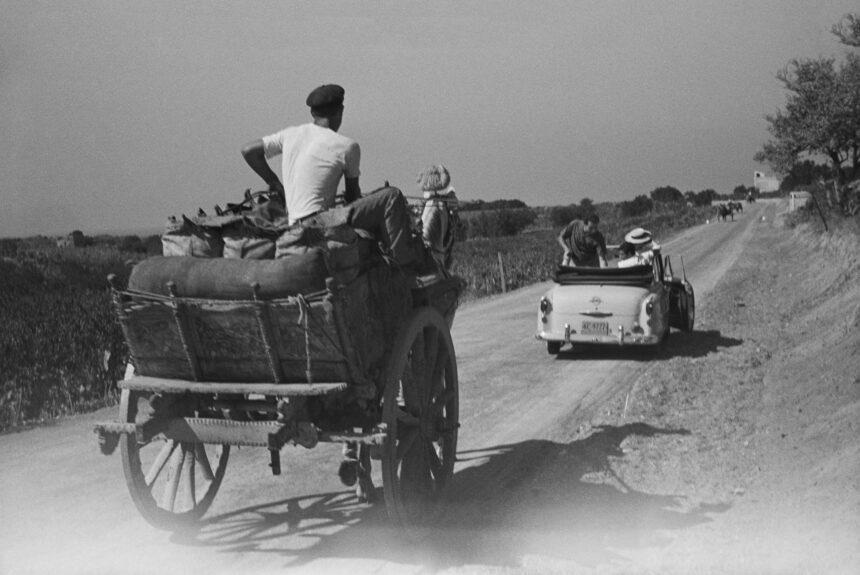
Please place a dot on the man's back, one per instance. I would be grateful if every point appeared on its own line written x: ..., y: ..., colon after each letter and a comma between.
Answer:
x: 314, y: 159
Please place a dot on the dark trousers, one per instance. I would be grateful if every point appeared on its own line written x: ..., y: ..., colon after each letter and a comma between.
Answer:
x: 385, y: 214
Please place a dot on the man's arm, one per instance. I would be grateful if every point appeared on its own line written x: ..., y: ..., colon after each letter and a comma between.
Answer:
x: 601, y: 251
x: 564, y: 238
x: 352, y: 191
x: 351, y: 172
x: 255, y: 155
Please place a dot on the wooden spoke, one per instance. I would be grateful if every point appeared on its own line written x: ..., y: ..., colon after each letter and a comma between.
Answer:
x: 415, y: 470
x: 409, y: 390
x: 406, y: 442
x: 418, y: 370
x: 419, y: 360
x: 406, y: 419
x: 442, y: 401
x: 433, y: 460
x: 187, y: 478
x: 205, y: 466
x: 174, y: 473
x: 160, y: 460
x: 431, y: 355
x: 437, y: 380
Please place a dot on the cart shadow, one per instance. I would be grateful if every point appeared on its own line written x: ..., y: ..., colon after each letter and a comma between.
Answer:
x: 693, y: 345
x: 537, y: 497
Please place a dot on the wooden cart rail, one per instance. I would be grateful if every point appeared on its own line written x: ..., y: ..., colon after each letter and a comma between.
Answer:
x: 163, y: 385
x: 269, y: 434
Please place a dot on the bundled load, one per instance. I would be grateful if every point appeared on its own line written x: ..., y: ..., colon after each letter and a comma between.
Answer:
x: 219, y: 256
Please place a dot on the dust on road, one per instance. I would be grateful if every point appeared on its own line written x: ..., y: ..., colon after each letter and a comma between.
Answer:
x: 598, y: 462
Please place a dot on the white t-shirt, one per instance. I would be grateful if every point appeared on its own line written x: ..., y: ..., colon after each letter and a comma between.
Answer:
x: 313, y: 160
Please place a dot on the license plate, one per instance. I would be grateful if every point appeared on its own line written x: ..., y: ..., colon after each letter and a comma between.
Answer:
x: 595, y: 328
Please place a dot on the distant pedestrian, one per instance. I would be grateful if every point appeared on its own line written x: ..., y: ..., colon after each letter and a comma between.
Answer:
x: 583, y: 244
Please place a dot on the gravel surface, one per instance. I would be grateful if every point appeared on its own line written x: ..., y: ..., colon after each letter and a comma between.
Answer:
x: 750, y: 428
x: 732, y: 450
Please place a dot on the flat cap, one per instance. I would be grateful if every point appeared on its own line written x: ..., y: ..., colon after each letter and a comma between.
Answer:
x: 326, y: 95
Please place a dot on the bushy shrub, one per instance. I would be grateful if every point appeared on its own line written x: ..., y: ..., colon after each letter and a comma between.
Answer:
x: 640, y: 205
x: 61, y: 349
x: 562, y: 215
x: 495, y: 223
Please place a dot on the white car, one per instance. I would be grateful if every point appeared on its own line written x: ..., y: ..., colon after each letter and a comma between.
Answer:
x: 615, y: 306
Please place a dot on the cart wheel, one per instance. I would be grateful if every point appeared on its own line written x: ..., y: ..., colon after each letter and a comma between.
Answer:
x: 553, y: 347
x: 421, y: 413
x: 172, y: 483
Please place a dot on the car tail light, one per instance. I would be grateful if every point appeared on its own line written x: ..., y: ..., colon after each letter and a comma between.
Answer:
x: 544, y: 305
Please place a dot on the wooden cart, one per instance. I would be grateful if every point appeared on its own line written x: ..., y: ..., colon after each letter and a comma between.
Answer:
x: 369, y: 364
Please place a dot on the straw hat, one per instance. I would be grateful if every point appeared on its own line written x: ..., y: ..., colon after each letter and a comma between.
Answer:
x: 638, y: 236
x: 434, y: 178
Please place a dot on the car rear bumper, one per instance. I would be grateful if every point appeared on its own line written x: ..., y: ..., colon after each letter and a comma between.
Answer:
x: 618, y: 339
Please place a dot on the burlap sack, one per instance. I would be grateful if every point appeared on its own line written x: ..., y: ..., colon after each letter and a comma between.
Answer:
x: 244, y: 240
x: 188, y: 238
x: 228, y: 278
x: 330, y: 233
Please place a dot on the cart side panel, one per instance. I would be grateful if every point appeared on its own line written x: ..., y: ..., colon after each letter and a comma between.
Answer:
x: 224, y: 341
x: 342, y: 334
x: 154, y: 339
x: 320, y: 343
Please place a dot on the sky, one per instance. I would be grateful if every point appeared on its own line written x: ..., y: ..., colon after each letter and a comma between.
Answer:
x: 115, y: 114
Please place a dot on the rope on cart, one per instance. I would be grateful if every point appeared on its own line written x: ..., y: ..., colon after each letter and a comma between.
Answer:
x: 304, y: 312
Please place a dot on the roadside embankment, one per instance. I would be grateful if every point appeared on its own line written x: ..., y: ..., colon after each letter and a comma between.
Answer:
x: 768, y: 389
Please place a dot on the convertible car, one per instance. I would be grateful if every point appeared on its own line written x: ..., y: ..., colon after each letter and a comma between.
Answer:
x: 615, y: 306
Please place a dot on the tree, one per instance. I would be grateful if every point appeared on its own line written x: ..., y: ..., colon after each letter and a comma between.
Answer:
x: 587, y: 205
x: 639, y: 206
x: 667, y: 195
x: 562, y: 215
x: 848, y: 30
x: 705, y: 197
x: 804, y: 174
x: 821, y: 116
x: 690, y: 197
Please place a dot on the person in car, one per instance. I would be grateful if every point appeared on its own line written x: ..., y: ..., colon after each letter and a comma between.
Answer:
x: 637, y: 249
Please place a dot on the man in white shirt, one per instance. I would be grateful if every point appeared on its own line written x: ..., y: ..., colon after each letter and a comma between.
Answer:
x: 314, y: 159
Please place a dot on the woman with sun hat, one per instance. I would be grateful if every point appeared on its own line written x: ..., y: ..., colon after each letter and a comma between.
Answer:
x: 639, y: 248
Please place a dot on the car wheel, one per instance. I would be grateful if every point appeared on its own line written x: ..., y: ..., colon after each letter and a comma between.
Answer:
x: 553, y: 347
x: 690, y: 311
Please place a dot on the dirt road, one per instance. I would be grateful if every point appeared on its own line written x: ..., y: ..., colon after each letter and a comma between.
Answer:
x: 534, y: 489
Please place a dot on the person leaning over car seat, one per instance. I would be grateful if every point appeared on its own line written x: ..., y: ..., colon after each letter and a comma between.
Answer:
x: 583, y: 244
x: 639, y: 247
